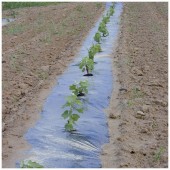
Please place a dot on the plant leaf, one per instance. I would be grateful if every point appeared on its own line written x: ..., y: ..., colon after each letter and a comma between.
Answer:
x: 75, y: 117
x: 65, y: 114
x: 69, y: 127
x: 80, y: 110
x: 78, y: 102
x: 30, y: 164
x: 72, y: 87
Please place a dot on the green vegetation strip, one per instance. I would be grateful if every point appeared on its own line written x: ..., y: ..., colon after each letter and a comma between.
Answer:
x: 13, y: 5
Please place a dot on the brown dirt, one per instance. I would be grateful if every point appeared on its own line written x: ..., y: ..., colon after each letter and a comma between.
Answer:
x: 36, y: 49
x: 138, y: 112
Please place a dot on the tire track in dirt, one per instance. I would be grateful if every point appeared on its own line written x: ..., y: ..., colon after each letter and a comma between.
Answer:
x: 139, y: 121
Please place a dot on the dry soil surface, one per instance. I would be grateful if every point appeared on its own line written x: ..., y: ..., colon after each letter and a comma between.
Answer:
x: 138, y: 113
x: 36, y: 49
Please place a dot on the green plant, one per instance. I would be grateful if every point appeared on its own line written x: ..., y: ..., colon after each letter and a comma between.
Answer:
x: 79, y: 89
x: 113, y: 4
x: 43, y: 75
x: 106, y: 19
x: 15, y: 29
x: 74, y: 106
x: 13, y: 5
x: 137, y: 93
x: 158, y: 154
x: 111, y: 10
x: 93, y: 50
x: 102, y: 28
x: 97, y: 37
x: 86, y: 64
x: 98, y: 48
x: 30, y: 164
x: 130, y: 103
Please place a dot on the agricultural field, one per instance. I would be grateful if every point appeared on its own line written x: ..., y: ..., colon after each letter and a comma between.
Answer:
x: 85, y: 85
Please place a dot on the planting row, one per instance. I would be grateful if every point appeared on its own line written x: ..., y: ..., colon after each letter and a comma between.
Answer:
x: 74, y: 105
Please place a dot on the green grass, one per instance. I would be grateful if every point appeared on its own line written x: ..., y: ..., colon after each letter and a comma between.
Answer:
x: 13, y: 5
x: 136, y: 93
x: 159, y: 153
x: 16, y: 29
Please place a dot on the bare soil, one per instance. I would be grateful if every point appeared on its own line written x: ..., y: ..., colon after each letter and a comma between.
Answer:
x: 36, y: 49
x: 138, y: 112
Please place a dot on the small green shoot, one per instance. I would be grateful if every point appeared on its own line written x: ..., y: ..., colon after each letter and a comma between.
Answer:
x: 158, y: 154
x: 79, y: 89
x: 87, y: 65
x: 130, y: 103
x: 111, y: 11
x: 97, y: 37
x: 30, y: 164
x: 74, y: 106
x: 136, y: 93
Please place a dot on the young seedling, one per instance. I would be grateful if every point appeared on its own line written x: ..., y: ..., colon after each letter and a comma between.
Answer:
x: 106, y: 19
x: 111, y: 11
x: 97, y: 37
x: 98, y: 48
x: 93, y: 50
x: 79, y: 89
x: 30, y: 164
x: 102, y: 28
x: 74, y: 106
x: 159, y: 154
x: 87, y: 65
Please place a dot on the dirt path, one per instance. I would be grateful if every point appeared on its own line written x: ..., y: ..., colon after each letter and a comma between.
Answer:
x: 138, y: 113
x: 37, y: 48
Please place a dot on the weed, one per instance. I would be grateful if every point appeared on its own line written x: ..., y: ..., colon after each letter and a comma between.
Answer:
x: 74, y: 106
x: 14, y: 63
x: 158, y: 154
x: 97, y: 37
x: 129, y: 62
x: 136, y: 93
x: 86, y: 64
x: 14, y: 30
x: 130, y: 103
x: 30, y: 164
x: 154, y: 124
x: 79, y: 89
x: 43, y: 75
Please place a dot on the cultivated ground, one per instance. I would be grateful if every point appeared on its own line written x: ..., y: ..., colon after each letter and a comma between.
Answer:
x: 40, y: 44
x: 138, y: 113
x: 37, y: 48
